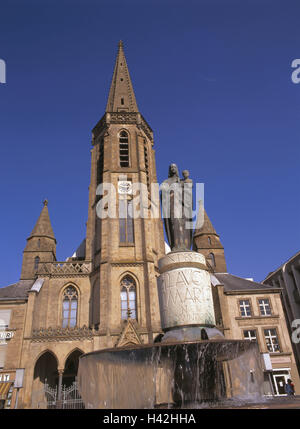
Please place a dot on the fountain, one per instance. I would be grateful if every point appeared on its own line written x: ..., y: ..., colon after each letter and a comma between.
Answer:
x: 193, y: 363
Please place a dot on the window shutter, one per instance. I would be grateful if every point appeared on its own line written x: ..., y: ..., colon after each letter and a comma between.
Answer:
x: 4, y: 318
x: 2, y: 355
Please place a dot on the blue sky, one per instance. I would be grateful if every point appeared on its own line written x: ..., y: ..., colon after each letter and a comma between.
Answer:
x: 212, y: 78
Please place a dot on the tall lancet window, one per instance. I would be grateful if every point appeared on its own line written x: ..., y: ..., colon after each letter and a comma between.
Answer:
x: 212, y: 259
x: 126, y: 220
x: 36, y: 263
x: 70, y: 304
x: 124, y: 149
x: 128, y: 298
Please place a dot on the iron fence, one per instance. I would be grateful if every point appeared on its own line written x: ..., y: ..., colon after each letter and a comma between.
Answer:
x: 49, y: 397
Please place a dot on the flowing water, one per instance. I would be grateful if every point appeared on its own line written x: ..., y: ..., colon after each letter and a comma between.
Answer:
x: 167, y: 375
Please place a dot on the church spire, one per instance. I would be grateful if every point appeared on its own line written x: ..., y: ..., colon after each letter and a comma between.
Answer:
x: 121, y: 96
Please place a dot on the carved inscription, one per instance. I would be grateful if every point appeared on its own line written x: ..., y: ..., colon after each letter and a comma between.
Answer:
x: 180, y: 257
x: 185, y: 297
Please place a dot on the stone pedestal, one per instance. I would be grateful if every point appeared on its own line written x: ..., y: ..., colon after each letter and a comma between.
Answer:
x: 184, y: 290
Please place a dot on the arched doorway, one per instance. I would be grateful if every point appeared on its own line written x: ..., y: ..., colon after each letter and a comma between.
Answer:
x: 46, y: 369
x: 71, y: 368
x: 45, y: 373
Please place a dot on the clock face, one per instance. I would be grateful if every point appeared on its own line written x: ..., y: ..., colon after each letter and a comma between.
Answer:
x: 125, y: 187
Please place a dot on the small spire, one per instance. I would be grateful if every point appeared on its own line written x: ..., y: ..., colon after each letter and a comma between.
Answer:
x: 207, y: 242
x: 121, y: 95
x: 43, y: 225
x: 207, y: 227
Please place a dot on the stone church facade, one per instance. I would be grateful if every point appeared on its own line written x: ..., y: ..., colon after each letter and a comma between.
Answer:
x: 105, y: 295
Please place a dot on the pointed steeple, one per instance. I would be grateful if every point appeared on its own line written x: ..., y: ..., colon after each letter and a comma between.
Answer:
x: 121, y: 95
x: 43, y: 227
x: 40, y: 247
x: 207, y: 227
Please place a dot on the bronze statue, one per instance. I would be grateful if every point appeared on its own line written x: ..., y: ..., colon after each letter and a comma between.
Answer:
x: 177, y: 205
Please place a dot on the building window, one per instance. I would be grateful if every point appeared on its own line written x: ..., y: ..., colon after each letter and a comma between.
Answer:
x: 264, y: 307
x: 212, y: 259
x: 4, y: 319
x: 128, y: 298
x: 245, y: 308
x: 126, y: 221
x: 8, y: 398
x: 209, y: 240
x: 100, y: 164
x: 124, y: 149
x: 250, y: 335
x: 36, y: 263
x: 2, y: 354
x: 70, y: 304
x: 146, y: 159
x: 95, y: 305
x: 272, y: 340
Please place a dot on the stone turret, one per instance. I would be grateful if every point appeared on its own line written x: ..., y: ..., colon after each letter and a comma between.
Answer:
x: 207, y: 241
x: 41, y: 245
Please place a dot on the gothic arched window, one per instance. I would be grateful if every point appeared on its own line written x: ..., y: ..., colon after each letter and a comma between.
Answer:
x: 124, y: 149
x: 36, y: 263
x: 70, y: 304
x: 212, y: 259
x: 128, y: 298
x: 95, y: 305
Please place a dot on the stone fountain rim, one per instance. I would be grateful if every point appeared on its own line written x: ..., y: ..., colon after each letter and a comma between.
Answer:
x: 171, y: 343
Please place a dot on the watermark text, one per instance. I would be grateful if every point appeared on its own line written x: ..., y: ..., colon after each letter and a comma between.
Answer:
x: 296, y: 73
x: 2, y: 71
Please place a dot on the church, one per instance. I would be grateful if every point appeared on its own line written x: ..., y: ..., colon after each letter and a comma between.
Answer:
x: 105, y: 295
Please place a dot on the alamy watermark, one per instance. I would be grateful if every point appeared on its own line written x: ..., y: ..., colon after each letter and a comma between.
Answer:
x: 169, y: 201
x: 296, y: 332
x: 296, y: 73
x: 2, y: 71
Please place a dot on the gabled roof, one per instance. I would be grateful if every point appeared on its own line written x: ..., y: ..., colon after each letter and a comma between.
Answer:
x: 121, y: 95
x: 235, y: 283
x: 80, y: 251
x: 293, y: 259
x: 17, y: 290
x: 129, y: 335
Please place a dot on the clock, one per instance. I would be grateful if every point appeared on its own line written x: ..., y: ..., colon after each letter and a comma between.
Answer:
x: 124, y: 187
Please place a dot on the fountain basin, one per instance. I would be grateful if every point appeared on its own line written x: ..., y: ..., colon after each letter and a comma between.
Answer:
x: 170, y: 374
